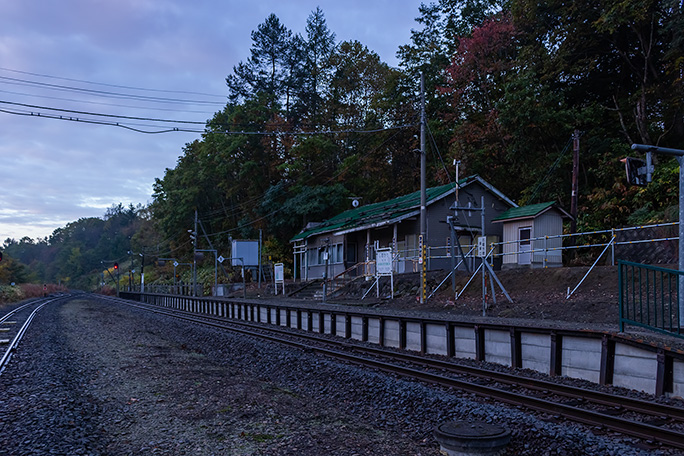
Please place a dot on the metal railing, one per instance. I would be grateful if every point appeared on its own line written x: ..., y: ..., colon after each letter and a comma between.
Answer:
x: 545, y: 245
x: 649, y: 297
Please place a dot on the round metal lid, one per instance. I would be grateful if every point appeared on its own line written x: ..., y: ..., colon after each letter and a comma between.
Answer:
x: 471, y: 434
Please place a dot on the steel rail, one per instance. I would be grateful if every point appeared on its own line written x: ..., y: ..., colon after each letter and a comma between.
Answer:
x: 20, y: 333
x: 611, y: 400
x: 589, y: 417
x: 18, y: 309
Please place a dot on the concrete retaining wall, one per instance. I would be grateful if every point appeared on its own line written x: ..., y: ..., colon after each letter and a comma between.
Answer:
x: 597, y: 357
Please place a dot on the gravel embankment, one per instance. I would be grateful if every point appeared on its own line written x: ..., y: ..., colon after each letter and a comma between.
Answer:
x: 95, y: 378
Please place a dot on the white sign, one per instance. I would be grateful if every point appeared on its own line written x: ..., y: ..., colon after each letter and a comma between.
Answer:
x: 279, y: 272
x: 221, y: 259
x: 383, y: 267
x: 383, y: 259
x: 482, y: 246
x: 175, y: 264
x: 279, y: 276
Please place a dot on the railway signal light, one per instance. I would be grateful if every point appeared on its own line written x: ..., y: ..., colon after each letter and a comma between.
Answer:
x: 638, y: 171
x: 116, y: 266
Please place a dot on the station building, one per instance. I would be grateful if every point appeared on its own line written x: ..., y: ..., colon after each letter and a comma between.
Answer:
x: 345, y: 244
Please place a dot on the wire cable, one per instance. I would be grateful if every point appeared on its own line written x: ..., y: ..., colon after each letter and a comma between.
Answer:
x: 103, y: 115
x: 101, y: 93
x: 549, y: 172
x: 114, y: 85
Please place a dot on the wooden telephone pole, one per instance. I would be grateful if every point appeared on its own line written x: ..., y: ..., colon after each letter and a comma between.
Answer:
x: 575, y: 180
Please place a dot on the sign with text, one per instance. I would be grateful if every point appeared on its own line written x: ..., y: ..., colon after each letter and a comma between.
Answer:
x: 279, y: 276
x: 279, y: 272
x: 383, y: 259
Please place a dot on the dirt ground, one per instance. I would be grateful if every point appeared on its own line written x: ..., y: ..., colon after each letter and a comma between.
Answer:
x: 536, y: 294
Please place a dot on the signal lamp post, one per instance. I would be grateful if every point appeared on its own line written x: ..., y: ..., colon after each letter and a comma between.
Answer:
x: 679, y: 154
x: 116, y: 268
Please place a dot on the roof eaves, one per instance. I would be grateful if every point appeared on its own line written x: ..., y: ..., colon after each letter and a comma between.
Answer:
x: 493, y: 189
x: 377, y: 224
x: 528, y: 212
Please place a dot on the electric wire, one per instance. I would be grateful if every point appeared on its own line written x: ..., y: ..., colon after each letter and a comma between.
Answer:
x: 436, y: 149
x: 198, y: 131
x: 321, y: 170
x: 96, y: 122
x: 551, y: 169
x: 241, y: 209
x: 99, y: 103
x: 113, y: 85
x: 105, y: 93
x: 115, y: 116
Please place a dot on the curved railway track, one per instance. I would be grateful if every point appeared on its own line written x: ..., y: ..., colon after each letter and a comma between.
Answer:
x: 13, y: 326
x: 654, y: 423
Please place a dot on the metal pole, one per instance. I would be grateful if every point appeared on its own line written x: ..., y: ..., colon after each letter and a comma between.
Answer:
x: 194, y: 259
x: 423, y: 192
x: 142, y: 273
x: 679, y: 153
x: 575, y: 180
x: 612, y: 250
x: 680, y: 159
x: 452, y: 252
x: 483, y: 258
x: 325, y: 272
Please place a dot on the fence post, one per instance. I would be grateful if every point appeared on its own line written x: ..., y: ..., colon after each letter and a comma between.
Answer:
x: 546, y: 250
x: 612, y: 250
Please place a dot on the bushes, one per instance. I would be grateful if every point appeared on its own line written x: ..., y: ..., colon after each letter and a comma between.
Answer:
x: 9, y: 294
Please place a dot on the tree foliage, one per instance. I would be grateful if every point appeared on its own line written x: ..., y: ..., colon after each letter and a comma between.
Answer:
x: 311, y: 121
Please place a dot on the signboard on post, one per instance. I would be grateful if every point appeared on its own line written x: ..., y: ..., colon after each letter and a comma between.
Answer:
x: 244, y: 253
x: 279, y: 276
x: 384, y: 262
x: 383, y: 268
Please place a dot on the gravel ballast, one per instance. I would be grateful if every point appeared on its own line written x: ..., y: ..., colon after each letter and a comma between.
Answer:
x: 96, y: 378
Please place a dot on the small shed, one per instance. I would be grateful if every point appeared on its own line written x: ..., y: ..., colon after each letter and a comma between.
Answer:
x: 531, y: 235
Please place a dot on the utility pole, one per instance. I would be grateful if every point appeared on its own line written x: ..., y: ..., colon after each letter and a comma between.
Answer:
x: 423, y: 194
x: 575, y: 180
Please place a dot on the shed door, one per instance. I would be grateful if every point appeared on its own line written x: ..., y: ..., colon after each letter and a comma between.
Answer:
x: 524, y: 246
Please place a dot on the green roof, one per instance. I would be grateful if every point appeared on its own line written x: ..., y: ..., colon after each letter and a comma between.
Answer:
x: 524, y: 211
x: 377, y: 214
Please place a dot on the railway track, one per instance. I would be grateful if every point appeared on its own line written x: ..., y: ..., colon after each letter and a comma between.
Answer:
x: 653, y: 423
x: 13, y: 326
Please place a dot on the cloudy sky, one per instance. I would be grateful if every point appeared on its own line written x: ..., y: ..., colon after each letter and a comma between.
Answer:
x: 63, y: 61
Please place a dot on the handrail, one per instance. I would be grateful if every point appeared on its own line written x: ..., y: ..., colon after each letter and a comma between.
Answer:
x: 349, y: 269
x: 649, y: 297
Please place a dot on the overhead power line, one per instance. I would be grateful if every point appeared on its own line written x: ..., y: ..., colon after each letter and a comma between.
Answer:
x: 101, y: 103
x: 126, y: 96
x: 118, y: 86
x: 168, y: 130
x: 98, y: 122
x: 102, y: 115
